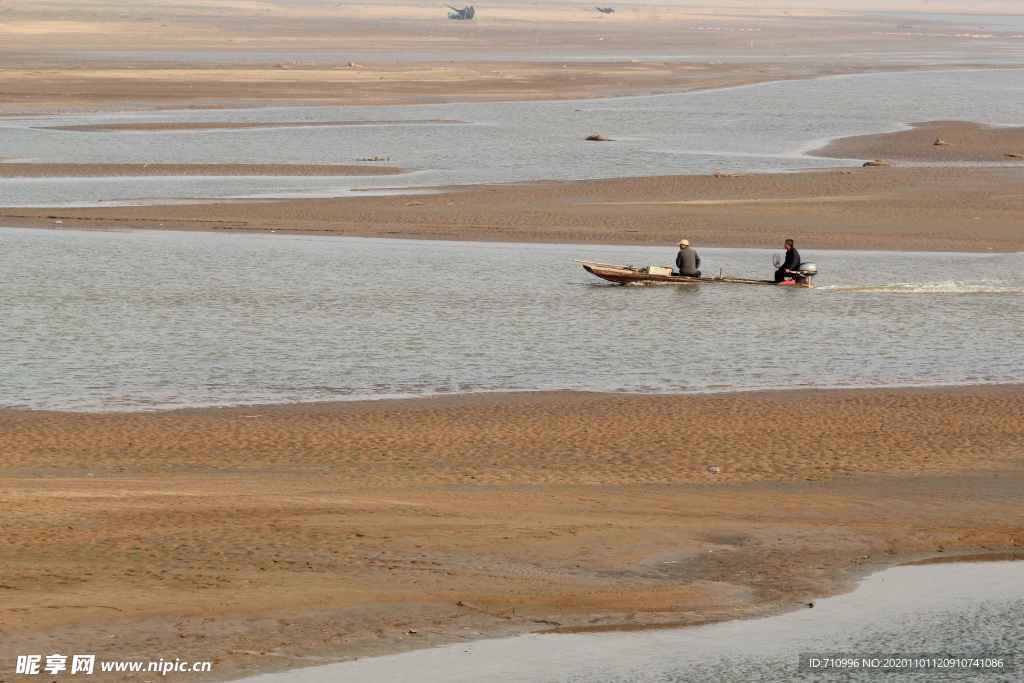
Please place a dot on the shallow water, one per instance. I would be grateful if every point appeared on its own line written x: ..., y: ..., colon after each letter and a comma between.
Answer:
x: 765, y: 127
x: 987, y: 22
x: 130, y: 320
x: 948, y: 610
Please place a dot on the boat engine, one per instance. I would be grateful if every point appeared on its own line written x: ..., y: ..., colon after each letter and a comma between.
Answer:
x: 805, y: 273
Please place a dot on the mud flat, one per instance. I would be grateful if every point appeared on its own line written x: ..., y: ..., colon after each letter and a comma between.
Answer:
x: 266, y: 538
x: 925, y: 209
x: 141, y: 86
x: 934, y: 141
x: 94, y: 55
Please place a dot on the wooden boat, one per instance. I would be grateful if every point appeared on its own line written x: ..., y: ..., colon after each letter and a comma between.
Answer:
x: 628, y: 275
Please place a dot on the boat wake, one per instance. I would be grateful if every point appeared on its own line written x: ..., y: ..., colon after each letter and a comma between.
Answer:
x: 951, y: 287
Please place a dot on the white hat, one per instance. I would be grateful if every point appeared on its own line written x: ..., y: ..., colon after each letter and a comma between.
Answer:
x: 684, y: 243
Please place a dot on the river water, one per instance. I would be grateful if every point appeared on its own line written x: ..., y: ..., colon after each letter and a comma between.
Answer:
x: 760, y: 128
x: 940, y: 612
x: 148, y: 319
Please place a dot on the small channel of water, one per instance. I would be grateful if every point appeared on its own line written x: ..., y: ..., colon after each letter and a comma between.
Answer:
x: 937, y: 611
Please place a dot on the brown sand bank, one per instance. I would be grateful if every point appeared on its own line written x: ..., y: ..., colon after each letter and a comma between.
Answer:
x: 913, y: 209
x: 103, y: 54
x: 520, y: 26
x: 962, y: 141
x: 260, y: 536
x: 17, y: 170
x: 144, y: 86
x: 117, y: 54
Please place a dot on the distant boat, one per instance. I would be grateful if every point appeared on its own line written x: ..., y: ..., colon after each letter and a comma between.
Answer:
x: 467, y: 13
x: 605, y: 10
x: 627, y: 275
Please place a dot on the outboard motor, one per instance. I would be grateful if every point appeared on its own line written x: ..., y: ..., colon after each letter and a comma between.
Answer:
x: 806, y: 272
x: 803, y: 276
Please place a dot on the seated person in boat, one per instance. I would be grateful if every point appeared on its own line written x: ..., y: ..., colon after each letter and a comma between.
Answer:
x: 791, y: 263
x: 687, y: 260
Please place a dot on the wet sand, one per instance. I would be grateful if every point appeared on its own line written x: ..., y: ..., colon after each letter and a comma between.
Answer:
x: 964, y: 606
x: 927, y: 209
x: 27, y: 170
x: 92, y: 55
x: 262, y: 537
x: 958, y: 141
x: 141, y: 86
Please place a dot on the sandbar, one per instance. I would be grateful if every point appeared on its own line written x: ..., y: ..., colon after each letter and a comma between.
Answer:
x: 268, y: 537
x: 924, y: 209
x: 936, y: 142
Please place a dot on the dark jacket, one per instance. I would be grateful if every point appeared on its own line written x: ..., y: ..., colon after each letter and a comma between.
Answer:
x: 688, y: 262
x: 792, y: 261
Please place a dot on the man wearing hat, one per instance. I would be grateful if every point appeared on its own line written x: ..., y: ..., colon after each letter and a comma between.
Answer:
x: 687, y: 260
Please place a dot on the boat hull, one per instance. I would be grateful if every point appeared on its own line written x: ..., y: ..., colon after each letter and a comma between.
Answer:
x: 626, y: 275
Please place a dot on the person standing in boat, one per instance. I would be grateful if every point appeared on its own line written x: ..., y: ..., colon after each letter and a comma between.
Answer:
x: 687, y: 260
x: 791, y: 263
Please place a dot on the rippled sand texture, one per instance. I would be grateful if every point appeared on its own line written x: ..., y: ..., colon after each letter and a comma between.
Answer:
x: 262, y: 536
x: 561, y: 438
